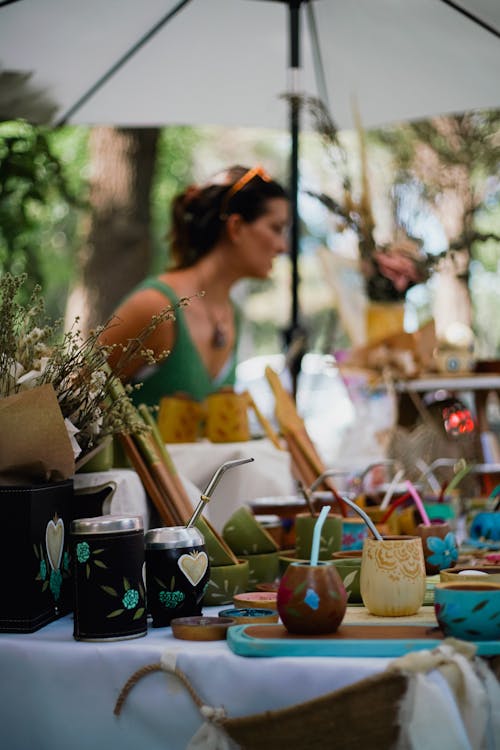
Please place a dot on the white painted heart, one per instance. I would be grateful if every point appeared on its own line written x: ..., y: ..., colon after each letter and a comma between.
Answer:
x: 193, y: 566
x: 54, y: 542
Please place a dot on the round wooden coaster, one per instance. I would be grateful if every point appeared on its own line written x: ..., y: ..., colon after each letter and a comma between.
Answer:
x: 257, y: 599
x: 201, y: 628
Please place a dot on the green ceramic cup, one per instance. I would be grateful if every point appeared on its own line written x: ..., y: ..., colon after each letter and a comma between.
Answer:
x: 330, y: 540
x: 226, y: 581
x: 245, y: 535
x: 262, y: 568
x: 349, y: 569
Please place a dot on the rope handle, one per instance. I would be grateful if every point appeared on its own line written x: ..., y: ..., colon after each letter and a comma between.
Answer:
x: 149, y: 669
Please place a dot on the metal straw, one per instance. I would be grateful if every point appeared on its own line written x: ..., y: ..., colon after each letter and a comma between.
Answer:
x: 205, y: 497
x: 306, y: 494
x: 365, y: 517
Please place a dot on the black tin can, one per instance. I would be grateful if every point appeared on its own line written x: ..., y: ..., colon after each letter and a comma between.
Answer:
x: 177, y: 573
x: 109, y: 592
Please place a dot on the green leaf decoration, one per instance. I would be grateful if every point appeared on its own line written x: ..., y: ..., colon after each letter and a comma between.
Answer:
x: 126, y: 584
x: 480, y: 605
x: 45, y: 586
x: 141, y: 590
x: 100, y: 564
x: 293, y: 612
x: 38, y: 577
x: 109, y: 590
x: 300, y: 587
x: 98, y: 551
x: 115, y: 613
x: 35, y: 548
x: 172, y: 583
x: 160, y: 583
x: 139, y: 613
x: 350, y: 578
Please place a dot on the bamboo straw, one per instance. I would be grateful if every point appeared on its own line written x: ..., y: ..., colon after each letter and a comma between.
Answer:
x: 182, y: 500
x: 143, y: 471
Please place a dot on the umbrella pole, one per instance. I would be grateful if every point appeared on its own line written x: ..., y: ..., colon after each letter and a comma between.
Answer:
x: 294, y: 335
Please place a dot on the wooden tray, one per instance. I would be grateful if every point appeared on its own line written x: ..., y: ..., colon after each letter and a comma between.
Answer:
x: 350, y: 640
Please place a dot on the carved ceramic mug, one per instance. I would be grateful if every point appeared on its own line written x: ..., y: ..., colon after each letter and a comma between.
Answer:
x: 392, y: 580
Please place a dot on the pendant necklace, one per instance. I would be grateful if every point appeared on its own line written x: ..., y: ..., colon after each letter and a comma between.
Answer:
x: 219, y: 338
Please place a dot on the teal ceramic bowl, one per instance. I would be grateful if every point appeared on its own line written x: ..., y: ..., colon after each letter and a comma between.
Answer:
x: 469, y: 610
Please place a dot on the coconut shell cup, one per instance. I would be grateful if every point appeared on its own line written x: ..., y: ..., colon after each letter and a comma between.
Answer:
x: 468, y: 610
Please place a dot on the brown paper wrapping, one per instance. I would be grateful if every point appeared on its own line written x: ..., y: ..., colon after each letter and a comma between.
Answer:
x: 34, y: 443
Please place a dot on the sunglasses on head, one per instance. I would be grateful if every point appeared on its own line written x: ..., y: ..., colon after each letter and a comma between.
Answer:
x: 240, y: 184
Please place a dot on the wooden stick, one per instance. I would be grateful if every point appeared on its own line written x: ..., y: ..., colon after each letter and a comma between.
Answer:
x: 143, y: 471
x: 271, y: 434
x: 299, y: 462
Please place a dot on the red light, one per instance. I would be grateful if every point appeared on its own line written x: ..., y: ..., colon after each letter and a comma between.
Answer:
x: 457, y: 421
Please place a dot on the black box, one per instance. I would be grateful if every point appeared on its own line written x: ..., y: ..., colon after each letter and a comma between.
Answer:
x: 34, y: 555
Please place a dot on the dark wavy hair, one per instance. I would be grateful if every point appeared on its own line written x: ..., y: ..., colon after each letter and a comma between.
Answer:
x: 199, y: 213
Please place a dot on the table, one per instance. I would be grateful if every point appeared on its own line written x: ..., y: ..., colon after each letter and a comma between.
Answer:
x: 56, y: 693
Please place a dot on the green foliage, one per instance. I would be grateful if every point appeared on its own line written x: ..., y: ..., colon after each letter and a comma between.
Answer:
x: 174, y: 166
x: 42, y: 193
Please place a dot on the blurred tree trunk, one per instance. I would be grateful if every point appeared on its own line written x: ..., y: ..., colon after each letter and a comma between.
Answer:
x: 117, y: 253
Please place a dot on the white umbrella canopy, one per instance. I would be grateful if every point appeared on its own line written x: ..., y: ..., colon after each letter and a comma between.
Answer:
x: 226, y: 61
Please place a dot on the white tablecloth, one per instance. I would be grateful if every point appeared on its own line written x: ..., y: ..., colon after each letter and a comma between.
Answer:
x: 57, y: 693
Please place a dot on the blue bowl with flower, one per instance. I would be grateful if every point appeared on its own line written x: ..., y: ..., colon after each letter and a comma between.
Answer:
x: 469, y: 610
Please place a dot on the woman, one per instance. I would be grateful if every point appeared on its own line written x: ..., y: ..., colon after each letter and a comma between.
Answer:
x: 228, y: 229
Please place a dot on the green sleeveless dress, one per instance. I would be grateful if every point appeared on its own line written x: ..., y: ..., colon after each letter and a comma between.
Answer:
x: 183, y: 369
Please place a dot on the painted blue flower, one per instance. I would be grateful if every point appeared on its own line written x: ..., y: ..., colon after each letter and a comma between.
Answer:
x: 43, y: 570
x: 55, y: 583
x: 82, y: 552
x: 130, y: 599
x: 445, y: 550
x: 311, y: 599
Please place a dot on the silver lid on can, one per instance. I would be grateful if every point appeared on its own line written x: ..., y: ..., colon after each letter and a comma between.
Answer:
x: 106, y: 524
x: 171, y: 537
